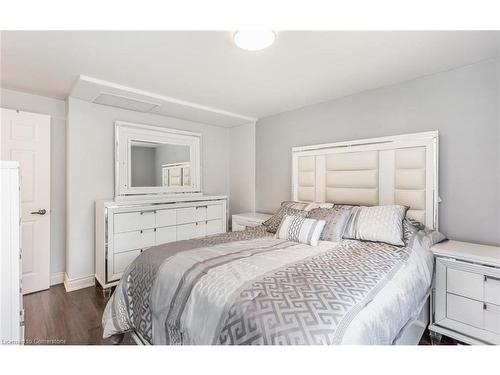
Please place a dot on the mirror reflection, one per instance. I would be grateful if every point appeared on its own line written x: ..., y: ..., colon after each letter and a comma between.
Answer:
x: 159, y: 164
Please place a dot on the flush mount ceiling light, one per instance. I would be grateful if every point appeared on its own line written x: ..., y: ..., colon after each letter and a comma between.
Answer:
x: 254, y: 40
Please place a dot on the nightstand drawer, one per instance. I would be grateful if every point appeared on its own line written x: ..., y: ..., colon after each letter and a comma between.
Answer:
x: 492, y: 290
x: 466, y: 284
x: 249, y: 219
x: 492, y: 317
x: 473, y: 281
x: 474, y: 313
x: 465, y: 310
x: 466, y: 294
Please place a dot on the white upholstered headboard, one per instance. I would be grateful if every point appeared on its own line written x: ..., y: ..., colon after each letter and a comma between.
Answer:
x: 399, y: 169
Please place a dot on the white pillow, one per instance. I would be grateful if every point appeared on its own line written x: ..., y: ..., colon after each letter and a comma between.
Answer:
x: 377, y: 223
x: 300, y: 229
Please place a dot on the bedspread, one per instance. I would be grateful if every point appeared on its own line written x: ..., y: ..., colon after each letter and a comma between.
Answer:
x: 252, y: 288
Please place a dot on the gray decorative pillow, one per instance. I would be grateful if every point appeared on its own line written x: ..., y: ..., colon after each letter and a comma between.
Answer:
x: 336, y: 221
x: 272, y: 224
x: 377, y: 223
x: 300, y: 229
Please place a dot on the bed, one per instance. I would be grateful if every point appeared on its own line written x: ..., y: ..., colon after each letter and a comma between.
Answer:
x: 251, y: 287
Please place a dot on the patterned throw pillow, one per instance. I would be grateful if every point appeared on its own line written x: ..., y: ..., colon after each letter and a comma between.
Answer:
x: 343, y: 207
x: 272, y: 224
x: 410, y: 227
x: 300, y: 229
x: 377, y: 223
x: 336, y: 221
x: 306, y: 206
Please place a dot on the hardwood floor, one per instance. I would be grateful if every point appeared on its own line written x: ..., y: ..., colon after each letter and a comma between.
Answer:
x: 56, y: 317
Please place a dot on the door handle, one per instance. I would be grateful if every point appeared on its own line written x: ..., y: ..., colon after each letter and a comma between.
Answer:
x: 39, y: 212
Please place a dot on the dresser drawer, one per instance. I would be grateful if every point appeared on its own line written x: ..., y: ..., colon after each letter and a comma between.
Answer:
x: 122, y: 260
x: 191, y: 214
x: 214, y: 211
x: 492, y: 290
x: 130, y: 221
x: 134, y: 240
x: 192, y: 230
x: 166, y: 235
x: 214, y: 227
x: 166, y: 218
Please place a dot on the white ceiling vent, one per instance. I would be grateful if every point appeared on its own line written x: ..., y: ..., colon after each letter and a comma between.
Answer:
x: 124, y: 102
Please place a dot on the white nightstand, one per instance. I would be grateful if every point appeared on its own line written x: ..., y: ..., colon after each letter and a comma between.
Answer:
x: 466, y: 294
x: 247, y: 219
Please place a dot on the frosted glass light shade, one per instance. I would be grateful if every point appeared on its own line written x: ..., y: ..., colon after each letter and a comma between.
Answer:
x: 254, y: 40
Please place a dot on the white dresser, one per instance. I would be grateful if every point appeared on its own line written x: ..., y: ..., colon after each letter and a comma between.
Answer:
x: 124, y: 229
x: 11, y: 300
x: 466, y: 303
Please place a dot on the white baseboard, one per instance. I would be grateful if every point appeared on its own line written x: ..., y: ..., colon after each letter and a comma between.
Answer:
x: 78, y: 283
x: 56, y: 278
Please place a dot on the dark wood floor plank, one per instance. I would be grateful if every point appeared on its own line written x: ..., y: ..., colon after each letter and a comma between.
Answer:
x: 54, y: 316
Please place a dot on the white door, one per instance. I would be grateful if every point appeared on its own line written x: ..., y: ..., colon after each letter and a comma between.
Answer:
x: 25, y: 137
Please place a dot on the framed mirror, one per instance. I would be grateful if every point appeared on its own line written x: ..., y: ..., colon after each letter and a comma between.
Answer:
x: 155, y: 160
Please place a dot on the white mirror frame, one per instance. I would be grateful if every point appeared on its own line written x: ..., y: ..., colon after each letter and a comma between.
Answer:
x: 126, y: 132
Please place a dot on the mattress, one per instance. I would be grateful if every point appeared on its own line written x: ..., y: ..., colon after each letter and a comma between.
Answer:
x: 252, y: 288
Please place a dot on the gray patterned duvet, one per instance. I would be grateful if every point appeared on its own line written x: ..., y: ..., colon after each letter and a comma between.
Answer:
x: 251, y: 288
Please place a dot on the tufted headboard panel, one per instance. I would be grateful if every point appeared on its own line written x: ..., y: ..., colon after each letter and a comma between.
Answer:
x: 390, y: 170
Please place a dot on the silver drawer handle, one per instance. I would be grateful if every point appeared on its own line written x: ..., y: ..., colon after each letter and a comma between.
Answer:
x: 148, y: 212
x: 201, y: 207
x: 491, y: 278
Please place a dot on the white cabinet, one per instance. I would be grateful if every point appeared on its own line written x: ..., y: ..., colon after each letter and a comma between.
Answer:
x: 466, y: 303
x: 11, y: 303
x: 125, y: 229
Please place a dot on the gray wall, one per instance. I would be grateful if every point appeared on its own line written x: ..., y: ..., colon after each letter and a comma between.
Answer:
x: 143, y: 166
x: 242, y: 169
x: 90, y: 171
x: 463, y: 104
x: 57, y: 111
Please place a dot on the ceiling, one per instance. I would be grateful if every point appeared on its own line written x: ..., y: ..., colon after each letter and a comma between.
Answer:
x: 205, y: 68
